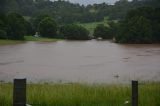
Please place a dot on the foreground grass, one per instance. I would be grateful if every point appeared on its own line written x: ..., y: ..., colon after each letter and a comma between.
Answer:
x: 82, y: 95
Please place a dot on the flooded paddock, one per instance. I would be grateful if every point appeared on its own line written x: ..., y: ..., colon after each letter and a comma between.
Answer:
x: 80, y: 61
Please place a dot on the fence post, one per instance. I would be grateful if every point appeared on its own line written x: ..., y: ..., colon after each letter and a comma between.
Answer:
x: 19, y: 92
x: 134, y: 93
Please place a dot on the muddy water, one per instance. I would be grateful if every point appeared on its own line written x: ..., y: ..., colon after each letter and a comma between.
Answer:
x: 80, y: 61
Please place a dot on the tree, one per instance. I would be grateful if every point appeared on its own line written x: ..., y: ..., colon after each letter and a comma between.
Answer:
x: 37, y: 19
x: 156, y: 25
x: 140, y: 27
x: 48, y: 28
x: 2, y: 5
x: 136, y: 30
x: 16, y: 28
x: 74, y: 32
x: 102, y: 31
x: 3, y: 33
x: 113, y: 28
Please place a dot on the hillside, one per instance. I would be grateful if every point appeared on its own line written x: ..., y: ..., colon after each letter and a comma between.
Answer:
x: 66, y: 12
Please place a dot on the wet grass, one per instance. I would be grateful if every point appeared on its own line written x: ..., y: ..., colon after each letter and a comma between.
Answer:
x: 40, y: 39
x: 83, y: 94
x: 27, y: 38
x: 6, y: 42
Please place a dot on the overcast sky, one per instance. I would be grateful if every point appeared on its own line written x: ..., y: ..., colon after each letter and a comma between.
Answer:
x: 85, y: 2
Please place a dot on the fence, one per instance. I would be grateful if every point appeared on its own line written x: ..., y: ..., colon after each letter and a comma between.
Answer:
x: 19, y: 92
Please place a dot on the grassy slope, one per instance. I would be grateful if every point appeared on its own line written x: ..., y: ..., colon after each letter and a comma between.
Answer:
x: 83, y: 95
x: 91, y: 26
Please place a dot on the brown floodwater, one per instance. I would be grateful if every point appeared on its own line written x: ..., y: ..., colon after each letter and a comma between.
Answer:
x: 80, y: 61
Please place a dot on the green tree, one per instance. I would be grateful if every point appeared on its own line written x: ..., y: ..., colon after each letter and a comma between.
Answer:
x: 3, y: 33
x: 37, y: 19
x: 102, y: 31
x: 140, y: 27
x: 136, y: 30
x: 48, y: 28
x: 16, y: 27
x: 113, y: 28
x: 74, y: 32
x: 156, y: 25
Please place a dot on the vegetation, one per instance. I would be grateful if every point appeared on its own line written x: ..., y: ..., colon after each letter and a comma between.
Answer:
x: 82, y: 94
x: 92, y: 25
x: 140, y: 27
x: 65, y: 12
x: 102, y: 32
x: 7, y: 42
x: 74, y: 32
x: 16, y: 26
x: 13, y: 26
x: 27, y: 38
x: 25, y: 17
x: 40, y: 39
x: 48, y: 28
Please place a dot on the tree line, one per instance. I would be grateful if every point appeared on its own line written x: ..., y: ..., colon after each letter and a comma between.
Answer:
x: 137, y: 27
x: 65, y: 12
x: 140, y: 25
x: 13, y: 26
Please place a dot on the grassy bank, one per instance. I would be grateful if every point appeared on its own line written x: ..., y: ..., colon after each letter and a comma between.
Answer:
x: 27, y: 38
x: 83, y: 95
x: 40, y: 39
x: 5, y: 42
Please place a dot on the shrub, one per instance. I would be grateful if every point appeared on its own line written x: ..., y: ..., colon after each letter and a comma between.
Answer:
x: 48, y: 28
x: 3, y: 34
x: 74, y: 32
x: 16, y: 28
x: 102, y: 31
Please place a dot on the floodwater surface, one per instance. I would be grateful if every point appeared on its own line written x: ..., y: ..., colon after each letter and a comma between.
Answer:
x: 80, y: 61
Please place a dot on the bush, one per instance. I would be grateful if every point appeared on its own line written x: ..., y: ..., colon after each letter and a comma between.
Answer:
x: 74, y: 32
x: 140, y: 27
x: 3, y: 34
x: 16, y: 28
x: 48, y: 28
x: 102, y: 31
x: 136, y: 30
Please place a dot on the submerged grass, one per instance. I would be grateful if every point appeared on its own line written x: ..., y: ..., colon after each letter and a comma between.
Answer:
x: 82, y: 94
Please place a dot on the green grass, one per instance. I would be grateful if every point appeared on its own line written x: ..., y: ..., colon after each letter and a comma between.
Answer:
x: 40, y: 39
x: 91, y: 26
x: 27, y: 38
x: 5, y: 42
x: 83, y: 94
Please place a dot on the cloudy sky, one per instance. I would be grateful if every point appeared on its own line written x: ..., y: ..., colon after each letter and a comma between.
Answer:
x: 85, y: 2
